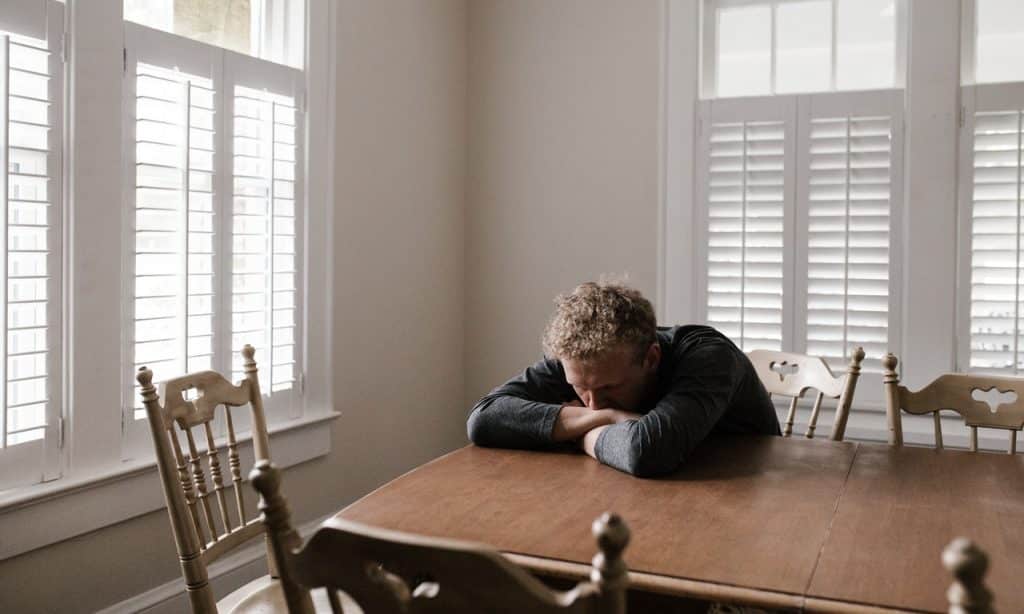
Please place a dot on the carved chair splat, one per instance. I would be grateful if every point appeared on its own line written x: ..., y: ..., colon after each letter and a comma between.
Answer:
x: 191, y: 402
x: 983, y: 401
x: 792, y: 375
x: 387, y: 571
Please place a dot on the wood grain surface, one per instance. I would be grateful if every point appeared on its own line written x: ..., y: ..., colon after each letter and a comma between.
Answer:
x: 852, y: 527
x: 747, y: 511
x: 902, y: 506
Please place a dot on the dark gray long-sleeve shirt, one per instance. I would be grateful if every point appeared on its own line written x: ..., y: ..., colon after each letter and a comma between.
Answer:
x: 705, y: 385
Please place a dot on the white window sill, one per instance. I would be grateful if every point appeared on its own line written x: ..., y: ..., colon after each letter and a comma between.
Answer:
x: 47, y: 513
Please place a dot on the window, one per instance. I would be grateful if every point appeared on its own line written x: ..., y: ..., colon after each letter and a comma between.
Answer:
x: 216, y: 199
x: 31, y: 85
x: 990, y: 186
x: 267, y: 29
x: 799, y: 191
x: 755, y: 48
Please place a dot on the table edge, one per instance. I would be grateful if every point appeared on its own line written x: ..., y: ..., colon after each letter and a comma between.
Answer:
x: 702, y: 589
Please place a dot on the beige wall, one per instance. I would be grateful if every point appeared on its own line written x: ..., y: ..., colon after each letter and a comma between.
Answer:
x: 398, y: 298
x: 563, y: 159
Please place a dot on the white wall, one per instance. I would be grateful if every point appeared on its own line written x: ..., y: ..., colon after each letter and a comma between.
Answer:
x: 563, y: 165
x: 398, y: 298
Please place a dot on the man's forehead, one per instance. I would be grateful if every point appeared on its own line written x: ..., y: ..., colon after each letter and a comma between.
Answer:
x: 606, y: 369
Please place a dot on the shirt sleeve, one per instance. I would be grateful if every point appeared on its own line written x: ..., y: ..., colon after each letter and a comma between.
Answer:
x: 521, y: 413
x: 702, y: 389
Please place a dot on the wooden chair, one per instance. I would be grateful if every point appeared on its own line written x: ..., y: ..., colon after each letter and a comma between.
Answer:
x: 205, y: 525
x: 791, y: 375
x: 386, y: 571
x: 968, y: 564
x: 957, y: 392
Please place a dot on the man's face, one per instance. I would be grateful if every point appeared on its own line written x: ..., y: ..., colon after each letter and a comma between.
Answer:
x: 617, y: 379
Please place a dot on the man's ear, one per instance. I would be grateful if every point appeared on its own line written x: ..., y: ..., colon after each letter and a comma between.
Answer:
x: 653, y: 357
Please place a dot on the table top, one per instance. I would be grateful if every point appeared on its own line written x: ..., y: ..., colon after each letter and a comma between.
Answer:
x: 761, y: 520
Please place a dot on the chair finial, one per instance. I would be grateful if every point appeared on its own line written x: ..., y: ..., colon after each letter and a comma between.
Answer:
x: 266, y: 479
x: 968, y: 564
x: 857, y: 357
x: 144, y: 376
x: 889, y: 361
x: 608, y: 568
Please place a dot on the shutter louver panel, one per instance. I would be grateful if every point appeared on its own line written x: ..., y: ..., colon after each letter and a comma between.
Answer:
x: 32, y: 239
x: 746, y: 232
x: 264, y: 273
x: 849, y: 174
x: 174, y: 223
x: 995, y: 308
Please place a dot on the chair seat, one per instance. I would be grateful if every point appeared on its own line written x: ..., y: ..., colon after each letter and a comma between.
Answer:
x: 264, y: 596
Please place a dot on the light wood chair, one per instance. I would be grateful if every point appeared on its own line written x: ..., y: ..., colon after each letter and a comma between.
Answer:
x: 968, y: 564
x: 386, y: 571
x: 206, y: 525
x: 957, y: 392
x: 792, y: 375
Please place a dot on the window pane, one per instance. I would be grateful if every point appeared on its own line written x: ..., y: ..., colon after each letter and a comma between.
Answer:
x: 803, y: 59
x: 1000, y: 26
x: 865, y: 44
x: 268, y: 29
x: 744, y: 51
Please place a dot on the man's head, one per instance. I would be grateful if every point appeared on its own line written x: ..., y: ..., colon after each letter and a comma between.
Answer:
x: 605, y: 335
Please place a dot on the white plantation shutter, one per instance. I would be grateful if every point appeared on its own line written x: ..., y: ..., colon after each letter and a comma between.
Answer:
x: 746, y: 191
x: 214, y: 142
x: 992, y: 169
x: 31, y: 77
x: 264, y: 233
x: 799, y: 195
x: 170, y: 105
x: 266, y: 190
x: 850, y: 179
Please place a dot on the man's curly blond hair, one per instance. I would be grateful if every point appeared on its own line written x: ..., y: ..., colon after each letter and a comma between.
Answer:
x: 597, y: 317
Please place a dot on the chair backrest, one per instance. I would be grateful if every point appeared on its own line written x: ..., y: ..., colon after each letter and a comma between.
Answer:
x: 958, y: 392
x: 200, y: 535
x: 387, y: 571
x: 792, y: 375
x: 968, y: 564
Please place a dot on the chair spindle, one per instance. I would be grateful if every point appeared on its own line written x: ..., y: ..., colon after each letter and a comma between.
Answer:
x: 974, y: 439
x: 236, y: 467
x: 200, y: 480
x: 813, y: 422
x: 790, y: 417
x: 1013, y: 442
x: 186, y: 484
x: 213, y: 459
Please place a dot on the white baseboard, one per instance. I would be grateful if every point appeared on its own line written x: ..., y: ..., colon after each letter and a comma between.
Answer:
x: 226, y: 575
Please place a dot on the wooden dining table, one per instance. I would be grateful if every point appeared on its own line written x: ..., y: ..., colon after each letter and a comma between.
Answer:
x: 780, y: 523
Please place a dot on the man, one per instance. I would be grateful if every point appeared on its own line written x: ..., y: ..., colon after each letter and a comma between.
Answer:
x: 634, y: 396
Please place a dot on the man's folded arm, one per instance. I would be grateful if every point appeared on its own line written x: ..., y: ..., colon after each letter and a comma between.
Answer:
x: 521, y: 413
x: 657, y: 442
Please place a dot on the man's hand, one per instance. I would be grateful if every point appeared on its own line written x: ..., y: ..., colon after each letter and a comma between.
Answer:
x: 578, y: 422
x: 574, y: 421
